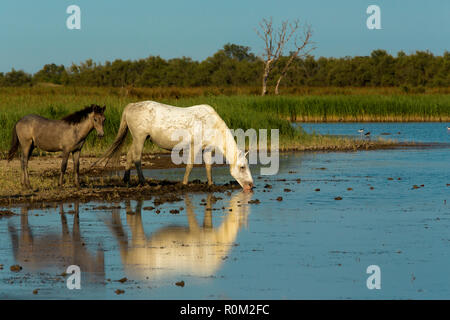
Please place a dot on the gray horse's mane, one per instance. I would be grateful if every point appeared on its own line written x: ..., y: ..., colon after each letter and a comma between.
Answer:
x: 80, y: 115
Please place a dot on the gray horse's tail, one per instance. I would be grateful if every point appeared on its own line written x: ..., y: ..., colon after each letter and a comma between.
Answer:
x: 114, y: 149
x: 14, y: 144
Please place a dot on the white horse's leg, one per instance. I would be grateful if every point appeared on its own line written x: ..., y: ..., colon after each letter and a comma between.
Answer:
x: 134, y: 155
x: 137, y: 147
x: 129, y: 164
x: 207, y: 157
x: 190, y: 165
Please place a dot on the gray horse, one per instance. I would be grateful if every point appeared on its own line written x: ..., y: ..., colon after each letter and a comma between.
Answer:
x: 67, y: 135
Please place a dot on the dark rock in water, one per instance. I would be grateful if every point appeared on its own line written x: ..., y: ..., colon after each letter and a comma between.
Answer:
x: 15, y: 268
x: 338, y: 198
x: 6, y: 214
x: 166, y: 198
x: 180, y: 283
x: 256, y: 201
x: 214, y: 199
x: 119, y: 291
x: 103, y: 207
x: 268, y: 186
x: 287, y: 190
x: 317, y: 189
x: 174, y: 211
x: 280, y: 199
x: 149, y: 208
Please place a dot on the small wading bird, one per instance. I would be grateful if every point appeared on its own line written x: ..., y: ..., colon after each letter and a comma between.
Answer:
x: 161, y: 123
x: 361, y: 131
x: 67, y: 135
x: 367, y: 134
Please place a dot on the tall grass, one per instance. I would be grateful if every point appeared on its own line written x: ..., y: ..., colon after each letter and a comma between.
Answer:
x: 357, y: 107
x: 56, y: 104
x: 238, y: 111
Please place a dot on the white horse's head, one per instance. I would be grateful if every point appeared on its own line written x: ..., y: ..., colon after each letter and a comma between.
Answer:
x: 241, y: 171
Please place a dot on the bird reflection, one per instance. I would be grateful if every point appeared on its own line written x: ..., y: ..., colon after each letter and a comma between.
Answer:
x: 55, y: 251
x: 197, y: 250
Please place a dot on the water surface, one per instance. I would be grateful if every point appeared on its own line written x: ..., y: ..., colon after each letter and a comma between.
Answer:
x: 307, y: 246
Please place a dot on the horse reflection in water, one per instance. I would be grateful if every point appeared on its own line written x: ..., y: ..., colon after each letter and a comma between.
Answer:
x: 56, y: 251
x: 178, y: 250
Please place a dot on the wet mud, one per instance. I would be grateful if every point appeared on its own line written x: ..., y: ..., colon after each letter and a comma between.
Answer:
x: 113, y: 191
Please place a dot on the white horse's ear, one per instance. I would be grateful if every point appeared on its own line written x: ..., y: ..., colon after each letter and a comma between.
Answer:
x: 245, y: 155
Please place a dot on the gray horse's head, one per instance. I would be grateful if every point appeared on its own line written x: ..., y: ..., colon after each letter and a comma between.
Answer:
x: 241, y: 171
x: 98, y: 119
x: 93, y: 113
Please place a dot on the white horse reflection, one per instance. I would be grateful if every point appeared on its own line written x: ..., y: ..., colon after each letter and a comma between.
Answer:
x: 178, y: 250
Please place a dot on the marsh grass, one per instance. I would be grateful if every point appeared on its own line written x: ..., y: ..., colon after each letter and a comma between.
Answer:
x: 238, y: 111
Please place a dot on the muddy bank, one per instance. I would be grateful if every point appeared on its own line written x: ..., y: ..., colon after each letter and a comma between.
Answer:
x: 99, y: 183
x: 115, y: 190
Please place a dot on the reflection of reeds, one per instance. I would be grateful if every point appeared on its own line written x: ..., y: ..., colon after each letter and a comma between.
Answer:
x: 238, y: 109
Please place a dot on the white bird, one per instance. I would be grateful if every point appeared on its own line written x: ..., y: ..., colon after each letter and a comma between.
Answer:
x: 361, y: 131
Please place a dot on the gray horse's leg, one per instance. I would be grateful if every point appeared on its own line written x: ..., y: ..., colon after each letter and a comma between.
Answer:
x: 76, y: 167
x: 27, y: 149
x: 207, y: 157
x: 65, y: 156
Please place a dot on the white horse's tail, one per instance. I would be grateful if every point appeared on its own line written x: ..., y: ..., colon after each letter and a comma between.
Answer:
x: 114, y: 149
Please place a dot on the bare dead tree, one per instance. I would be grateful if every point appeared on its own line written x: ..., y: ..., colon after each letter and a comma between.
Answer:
x: 302, y: 45
x: 274, y: 42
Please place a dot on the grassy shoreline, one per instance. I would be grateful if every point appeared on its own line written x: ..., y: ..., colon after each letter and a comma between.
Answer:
x: 238, y: 111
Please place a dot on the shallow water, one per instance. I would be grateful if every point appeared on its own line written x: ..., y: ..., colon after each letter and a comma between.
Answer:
x: 400, y: 131
x: 307, y: 246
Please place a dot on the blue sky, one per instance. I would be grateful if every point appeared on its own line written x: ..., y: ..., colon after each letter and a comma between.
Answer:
x: 33, y: 33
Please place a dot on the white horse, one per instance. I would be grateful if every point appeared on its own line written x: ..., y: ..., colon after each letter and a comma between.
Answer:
x: 162, y: 122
